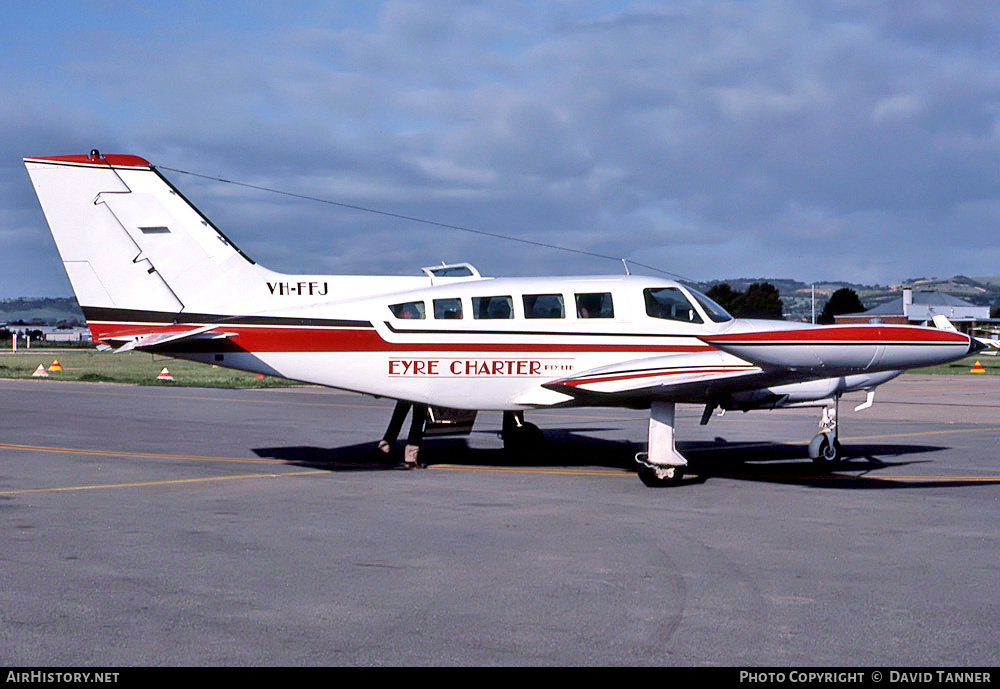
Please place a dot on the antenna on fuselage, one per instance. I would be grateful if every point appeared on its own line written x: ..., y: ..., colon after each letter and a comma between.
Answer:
x: 424, y: 221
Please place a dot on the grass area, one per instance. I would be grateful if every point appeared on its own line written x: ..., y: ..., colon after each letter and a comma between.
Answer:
x: 140, y: 368
x: 990, y: 363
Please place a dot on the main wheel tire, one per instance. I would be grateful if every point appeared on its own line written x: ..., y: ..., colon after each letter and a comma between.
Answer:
x: 526, y: 438
x: 655, y: 478
x: 829, y: 453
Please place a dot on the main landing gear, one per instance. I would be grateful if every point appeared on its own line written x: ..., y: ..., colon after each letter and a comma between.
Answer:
x: 662, y: 465
x: 415, y: 437
x: 825, y: 448
x: 518, y: 435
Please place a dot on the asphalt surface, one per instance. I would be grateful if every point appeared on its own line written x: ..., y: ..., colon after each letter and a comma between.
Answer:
x: 181, y: 526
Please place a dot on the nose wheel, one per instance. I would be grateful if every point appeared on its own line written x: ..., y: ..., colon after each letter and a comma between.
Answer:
x: 825, y: 449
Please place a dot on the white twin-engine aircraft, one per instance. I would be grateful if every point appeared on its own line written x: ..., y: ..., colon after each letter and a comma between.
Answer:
x: 152, y: 273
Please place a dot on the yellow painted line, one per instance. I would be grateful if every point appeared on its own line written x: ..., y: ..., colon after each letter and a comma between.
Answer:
x: 750, y: 445
x: 143, y: 455
x: 925, y: 479
x: 809, y: 477
x: 605, y: 473
x: 915, y: 433
x: 852, y: 477
x: 142, y: 484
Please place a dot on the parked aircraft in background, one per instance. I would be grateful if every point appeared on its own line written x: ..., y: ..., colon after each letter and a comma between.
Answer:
x: 990, y: 345
x: 152, y: 273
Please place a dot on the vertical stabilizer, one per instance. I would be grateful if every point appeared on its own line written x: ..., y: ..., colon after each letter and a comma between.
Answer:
x: 129, y: 240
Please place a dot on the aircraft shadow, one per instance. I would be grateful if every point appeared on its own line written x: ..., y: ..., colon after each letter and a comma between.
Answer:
x: 763, y: 461
x: 563, y: 448
x: 775, y: 462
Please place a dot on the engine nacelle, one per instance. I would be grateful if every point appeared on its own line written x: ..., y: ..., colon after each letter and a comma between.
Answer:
x: 823, y: 391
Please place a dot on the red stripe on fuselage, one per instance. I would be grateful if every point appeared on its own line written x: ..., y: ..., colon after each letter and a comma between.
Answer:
x: 577, y: 382
x: 296, y: 339
x: 849, y: 334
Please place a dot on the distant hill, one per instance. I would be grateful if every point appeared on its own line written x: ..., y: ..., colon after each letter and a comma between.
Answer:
x: 796, y: 296
x: 41, y: 310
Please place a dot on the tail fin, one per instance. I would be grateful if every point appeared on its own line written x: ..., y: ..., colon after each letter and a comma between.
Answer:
x: 942, y: 322
x: 130, y: 240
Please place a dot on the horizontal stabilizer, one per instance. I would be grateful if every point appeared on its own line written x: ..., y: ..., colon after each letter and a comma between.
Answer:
x: 146, y: 342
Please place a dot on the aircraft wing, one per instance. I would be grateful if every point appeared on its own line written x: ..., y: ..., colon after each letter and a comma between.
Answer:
x: 693, y: 376
x: 757, y: 359
x: 156, y: 340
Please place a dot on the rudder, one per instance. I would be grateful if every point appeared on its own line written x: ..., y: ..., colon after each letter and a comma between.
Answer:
x: 130, y: 240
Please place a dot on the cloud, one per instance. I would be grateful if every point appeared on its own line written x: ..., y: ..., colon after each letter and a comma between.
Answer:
x: 713, y: 139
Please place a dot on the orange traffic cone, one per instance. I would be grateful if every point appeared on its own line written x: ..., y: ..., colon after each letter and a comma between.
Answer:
x: 165, y: 375
x: 55, y: 365
x: 977, y: 368
x: 40, y: 372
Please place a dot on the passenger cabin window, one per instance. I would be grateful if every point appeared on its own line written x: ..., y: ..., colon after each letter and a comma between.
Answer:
x: 409, y: 309
x: 595, y: 305
x: 492, y: 307
x: 449, y: 309
x: 543, y: 306
x: 669, y: 303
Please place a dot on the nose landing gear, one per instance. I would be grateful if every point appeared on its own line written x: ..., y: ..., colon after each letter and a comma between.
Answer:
x: 825, y: 448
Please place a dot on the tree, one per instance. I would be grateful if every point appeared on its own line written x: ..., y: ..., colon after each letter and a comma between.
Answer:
x: 844, y: 300
x: 761, y: 300
x: 725, y: 296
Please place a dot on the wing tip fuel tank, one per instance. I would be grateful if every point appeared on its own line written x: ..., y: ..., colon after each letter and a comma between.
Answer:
x: 845, y: 348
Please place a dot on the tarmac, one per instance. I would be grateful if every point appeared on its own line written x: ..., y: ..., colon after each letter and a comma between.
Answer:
x: 189, y: 527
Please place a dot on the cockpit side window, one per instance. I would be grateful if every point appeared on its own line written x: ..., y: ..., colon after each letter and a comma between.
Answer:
x: 492, y: 307
x: 409, y: 309
x: 669, y: 303
x: 595, y: 305
x: 543, y: 306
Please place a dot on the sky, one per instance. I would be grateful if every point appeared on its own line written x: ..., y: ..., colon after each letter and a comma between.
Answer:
x: 851, y: 140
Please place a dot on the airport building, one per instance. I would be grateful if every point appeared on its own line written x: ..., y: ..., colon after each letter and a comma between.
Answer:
x: 918, y: 307
x: 50, y: 333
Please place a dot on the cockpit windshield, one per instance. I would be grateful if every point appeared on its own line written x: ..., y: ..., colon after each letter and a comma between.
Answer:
x: 714, y: 311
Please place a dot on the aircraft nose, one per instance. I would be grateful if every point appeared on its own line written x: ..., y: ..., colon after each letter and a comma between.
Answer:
x: 975, y: 346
